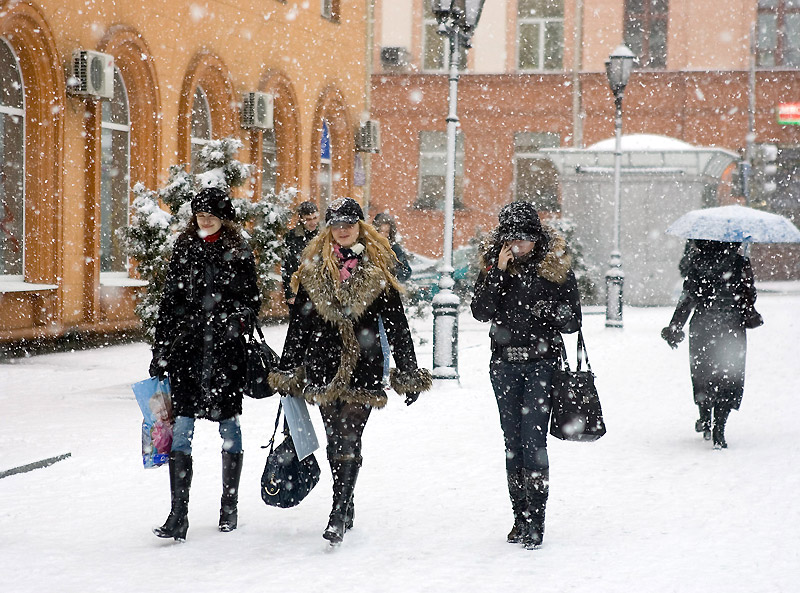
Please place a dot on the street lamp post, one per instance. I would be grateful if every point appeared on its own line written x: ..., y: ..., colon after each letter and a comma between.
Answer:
x: 618, y: 70
x: 457, y: 19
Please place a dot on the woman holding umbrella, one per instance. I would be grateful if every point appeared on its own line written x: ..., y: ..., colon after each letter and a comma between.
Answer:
x: 720, y: 289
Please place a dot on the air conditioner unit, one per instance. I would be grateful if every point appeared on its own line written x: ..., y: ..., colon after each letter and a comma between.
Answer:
x: 394, y: 57
x: 368, y: 138
x: 257, y: 110
x: 92, y: 74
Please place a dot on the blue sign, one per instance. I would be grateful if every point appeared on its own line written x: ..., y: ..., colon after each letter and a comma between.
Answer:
x: 325, y: 142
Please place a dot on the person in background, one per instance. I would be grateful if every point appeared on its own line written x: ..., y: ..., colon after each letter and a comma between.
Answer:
x: 332, y: 355
x: 720, y: 289
x: 385, y: 224
x: 210, y: 297
x: 296, y: 240
x: 527, y: 290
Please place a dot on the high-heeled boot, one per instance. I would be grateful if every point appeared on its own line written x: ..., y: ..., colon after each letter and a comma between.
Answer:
x: 519, y: 506
x: 231, y: 472
x: 721, y: 412
x: 345, y: 474
x: 703, y: 424
x: 537, y: 489
x: 180, y: 480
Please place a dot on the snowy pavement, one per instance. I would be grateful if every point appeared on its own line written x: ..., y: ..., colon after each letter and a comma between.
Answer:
x: 649, y: 508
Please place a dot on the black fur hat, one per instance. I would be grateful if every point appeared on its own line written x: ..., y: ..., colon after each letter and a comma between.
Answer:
x: 519, y: 221
x: 215, y: 201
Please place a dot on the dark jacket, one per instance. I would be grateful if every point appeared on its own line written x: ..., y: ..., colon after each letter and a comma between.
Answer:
x: 296, y: 240
x: 210, y: 288
x: 402, y: 269
x: 509, y: 300
x: 333, y: 350
x: 720, y: 289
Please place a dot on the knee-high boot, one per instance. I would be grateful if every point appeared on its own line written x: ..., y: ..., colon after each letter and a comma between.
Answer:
x: 345, y: 474
x: 231, y: 472
x: 519, y: 505
x: 721, y: 412
x: 537, y: 489
x: 180, y: 480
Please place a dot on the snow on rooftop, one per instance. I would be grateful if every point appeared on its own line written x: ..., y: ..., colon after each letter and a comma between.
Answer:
x: 639, y: 142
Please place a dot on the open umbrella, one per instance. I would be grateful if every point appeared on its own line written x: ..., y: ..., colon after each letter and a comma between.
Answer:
x: 737, y: 224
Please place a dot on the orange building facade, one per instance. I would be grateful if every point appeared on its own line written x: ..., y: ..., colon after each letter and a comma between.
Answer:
x: 180, y: 70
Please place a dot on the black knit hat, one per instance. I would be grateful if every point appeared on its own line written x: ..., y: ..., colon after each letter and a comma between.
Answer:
x: 215, y: 201
x: 519, y: 221
x: 344, y: 211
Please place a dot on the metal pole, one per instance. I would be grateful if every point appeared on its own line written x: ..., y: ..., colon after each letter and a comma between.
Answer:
x: 577, y: 64
x: 750, y: 138
x: 615, y: 277
x: 445, y: 303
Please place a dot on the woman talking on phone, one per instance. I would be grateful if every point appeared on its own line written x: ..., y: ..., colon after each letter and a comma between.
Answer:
x: 527, y: 289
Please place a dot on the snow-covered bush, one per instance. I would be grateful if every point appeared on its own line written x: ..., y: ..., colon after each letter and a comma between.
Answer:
x: 152, y: 232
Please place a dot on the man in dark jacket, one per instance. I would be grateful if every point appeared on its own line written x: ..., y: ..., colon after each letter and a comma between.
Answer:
x: 296, y: 240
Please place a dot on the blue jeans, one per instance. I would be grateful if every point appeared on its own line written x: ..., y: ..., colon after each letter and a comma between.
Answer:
x: 230, y: 430
x: 522, y: 391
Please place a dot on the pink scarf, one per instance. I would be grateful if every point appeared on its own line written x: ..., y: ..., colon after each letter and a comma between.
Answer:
x: 347, y: 262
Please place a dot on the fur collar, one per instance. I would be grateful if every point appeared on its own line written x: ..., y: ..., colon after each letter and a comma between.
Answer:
x: 555, y: 264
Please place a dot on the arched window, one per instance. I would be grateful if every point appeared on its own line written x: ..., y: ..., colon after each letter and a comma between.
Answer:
x: 325, y: 167
x: 201, y: 123
x: 114, y: 177
x: 12, y: 166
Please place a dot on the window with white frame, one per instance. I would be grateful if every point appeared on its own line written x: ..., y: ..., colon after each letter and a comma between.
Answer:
x: 646, y: 32
x: 12, y: 166
x: 269, y: 163
x: 201, y: 123
x: 435, y: 47
x: 778, y: 40
x: 540, y: 35
x: 535, y: 176
x: 114, y: 178
x: 432, y: 163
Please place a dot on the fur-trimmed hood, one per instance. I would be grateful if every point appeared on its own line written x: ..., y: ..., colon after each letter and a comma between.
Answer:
x: 554, y: 265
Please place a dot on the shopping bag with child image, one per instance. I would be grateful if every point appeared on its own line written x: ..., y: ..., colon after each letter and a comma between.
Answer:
x: 153, y: 397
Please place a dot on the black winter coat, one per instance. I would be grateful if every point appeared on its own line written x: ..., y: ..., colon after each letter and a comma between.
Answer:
x: 508, y: 299
x: 721, y: 292
x: 333, y: 350
x: 210, y: 296
x: 296, y: 240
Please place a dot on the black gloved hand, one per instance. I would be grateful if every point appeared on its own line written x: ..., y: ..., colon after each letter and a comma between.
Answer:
x: 158, y: 366
x: 411, y: 397
x: 552, y: 311
x: 672, y: 336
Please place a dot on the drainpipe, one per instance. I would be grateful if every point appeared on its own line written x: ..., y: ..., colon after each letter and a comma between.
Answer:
x: 368, y: 97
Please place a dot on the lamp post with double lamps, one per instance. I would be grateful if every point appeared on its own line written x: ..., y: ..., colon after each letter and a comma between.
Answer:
x: 618, y: 70
x: 457, y: 20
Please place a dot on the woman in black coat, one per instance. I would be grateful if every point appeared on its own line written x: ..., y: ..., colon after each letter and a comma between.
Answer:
x: 332, y: 356
x: 528, y: 291
x: 720, y: 289
x: 210, y: 297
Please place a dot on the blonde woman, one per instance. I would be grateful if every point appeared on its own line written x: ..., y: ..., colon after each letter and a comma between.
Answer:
x: 333, y: 356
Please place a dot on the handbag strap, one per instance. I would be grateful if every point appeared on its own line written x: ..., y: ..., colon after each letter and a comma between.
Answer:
x: 275, y: 432
x: 582, y: 354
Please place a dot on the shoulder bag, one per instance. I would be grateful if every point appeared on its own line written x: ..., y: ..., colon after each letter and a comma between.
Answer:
x: 260, y: 360
x: 576, y: 415
x: 286, y: 480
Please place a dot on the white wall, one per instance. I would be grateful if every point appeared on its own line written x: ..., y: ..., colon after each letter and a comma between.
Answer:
x: 396, y: 23
x: 489, y: 43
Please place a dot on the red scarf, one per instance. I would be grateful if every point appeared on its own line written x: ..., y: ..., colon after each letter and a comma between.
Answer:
x: 212, y: 238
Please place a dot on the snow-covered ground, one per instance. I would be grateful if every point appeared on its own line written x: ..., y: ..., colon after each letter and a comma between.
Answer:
x: 649, y: 508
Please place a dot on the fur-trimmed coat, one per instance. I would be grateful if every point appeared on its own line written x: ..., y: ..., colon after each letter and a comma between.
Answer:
x: 509, y: 299
x: 210, y: 294
x: 333, y: 350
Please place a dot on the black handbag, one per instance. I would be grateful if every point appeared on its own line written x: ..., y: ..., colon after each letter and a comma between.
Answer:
x: 576, y: 415
x: 286, y: 480
x: 260, y: 360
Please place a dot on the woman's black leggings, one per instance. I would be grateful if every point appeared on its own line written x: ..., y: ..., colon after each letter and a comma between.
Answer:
x: 344, y: 425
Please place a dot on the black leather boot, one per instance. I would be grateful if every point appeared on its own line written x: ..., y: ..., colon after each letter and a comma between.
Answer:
x: 344, y: 483
x: 537, y: 489
x: 519, y: 505
x: 231, y: 472
x: 721, y: 412
x: 180, y: 480
x: 703, y: 424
